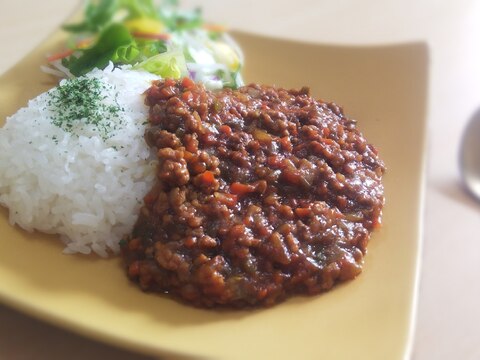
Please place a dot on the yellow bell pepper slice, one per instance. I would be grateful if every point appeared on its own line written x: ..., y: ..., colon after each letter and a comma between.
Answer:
x: 145, y: 25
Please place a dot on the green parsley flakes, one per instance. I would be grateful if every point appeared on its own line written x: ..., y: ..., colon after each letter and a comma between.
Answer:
x: 85, y: 105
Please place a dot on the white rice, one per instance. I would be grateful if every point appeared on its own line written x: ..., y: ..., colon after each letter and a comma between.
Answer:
x: 80, y: 184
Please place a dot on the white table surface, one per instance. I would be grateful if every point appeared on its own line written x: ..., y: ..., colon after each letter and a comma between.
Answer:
x: 448, y: 311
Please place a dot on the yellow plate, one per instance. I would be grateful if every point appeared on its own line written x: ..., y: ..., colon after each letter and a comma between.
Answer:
x: 369, y: 318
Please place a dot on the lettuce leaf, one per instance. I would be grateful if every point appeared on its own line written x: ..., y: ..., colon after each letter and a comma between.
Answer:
x: 97, y: 16
x: 100, y: 14
x: 170, y: 64
x: 139, y: 8
x: 113, y: 41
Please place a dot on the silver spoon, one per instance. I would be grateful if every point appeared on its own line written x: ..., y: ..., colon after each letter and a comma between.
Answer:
x: 470, y: 156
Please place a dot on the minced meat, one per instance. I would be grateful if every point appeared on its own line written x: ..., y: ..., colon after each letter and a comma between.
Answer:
x: 262, y: 193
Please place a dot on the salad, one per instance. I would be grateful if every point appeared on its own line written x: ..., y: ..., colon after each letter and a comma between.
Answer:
x: 158, y: 37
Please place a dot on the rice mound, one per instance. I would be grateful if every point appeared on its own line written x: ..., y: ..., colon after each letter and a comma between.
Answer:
x: 82, y: 182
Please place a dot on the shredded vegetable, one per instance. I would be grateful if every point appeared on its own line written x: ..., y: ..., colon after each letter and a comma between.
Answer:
x: 164, y: 39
